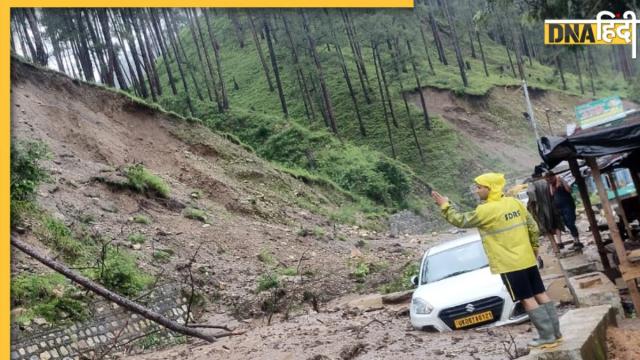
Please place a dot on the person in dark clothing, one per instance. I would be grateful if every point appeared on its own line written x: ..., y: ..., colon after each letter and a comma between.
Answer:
x: 564, y: 203
x: 540, y: 205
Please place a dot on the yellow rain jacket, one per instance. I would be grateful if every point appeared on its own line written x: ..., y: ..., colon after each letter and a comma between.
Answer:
x: 509, y: 233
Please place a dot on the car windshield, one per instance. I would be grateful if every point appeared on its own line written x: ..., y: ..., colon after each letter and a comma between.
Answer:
x: 454, y: 261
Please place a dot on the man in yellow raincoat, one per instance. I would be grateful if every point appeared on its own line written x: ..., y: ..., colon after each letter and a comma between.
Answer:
x: 510, y: 240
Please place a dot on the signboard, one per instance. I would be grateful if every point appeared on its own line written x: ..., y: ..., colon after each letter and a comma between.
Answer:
x: 599, y: 112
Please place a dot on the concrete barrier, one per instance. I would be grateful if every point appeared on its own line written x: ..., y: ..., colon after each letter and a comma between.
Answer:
x: 576, y: 265
x: 595, y: 289
x: 585, y: 335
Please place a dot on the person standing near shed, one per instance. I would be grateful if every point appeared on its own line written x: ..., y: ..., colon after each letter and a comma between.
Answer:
x: 563, y: 201
x: 510, y: 239
x: 540, y: 205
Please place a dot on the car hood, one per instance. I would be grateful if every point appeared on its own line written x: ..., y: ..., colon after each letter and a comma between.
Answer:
x: 461, y: 289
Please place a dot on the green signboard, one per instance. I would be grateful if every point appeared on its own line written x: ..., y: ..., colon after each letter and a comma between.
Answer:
x: 599, y: 112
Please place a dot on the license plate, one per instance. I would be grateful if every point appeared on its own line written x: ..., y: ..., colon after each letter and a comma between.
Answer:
x: 473, y: 319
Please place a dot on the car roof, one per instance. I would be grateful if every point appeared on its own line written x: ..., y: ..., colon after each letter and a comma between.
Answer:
x: 453, y: 243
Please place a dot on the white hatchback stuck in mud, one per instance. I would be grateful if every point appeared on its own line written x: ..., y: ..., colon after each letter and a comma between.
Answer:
x: 456, y: 290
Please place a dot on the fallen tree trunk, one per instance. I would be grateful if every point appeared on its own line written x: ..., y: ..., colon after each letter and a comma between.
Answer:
x: 109, y: 295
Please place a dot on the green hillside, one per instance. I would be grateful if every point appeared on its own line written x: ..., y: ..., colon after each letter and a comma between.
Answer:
x: 301, y: 143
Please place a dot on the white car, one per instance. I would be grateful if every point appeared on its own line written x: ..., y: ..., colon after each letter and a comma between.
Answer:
x: 456, y: 290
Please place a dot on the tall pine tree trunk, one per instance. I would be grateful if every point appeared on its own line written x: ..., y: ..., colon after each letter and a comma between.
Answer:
x: 212, y: 74
x: 561, y: 71
x: 106, y: 77
x: 137, y: 62
x: 155, y: 23
x: 456, y: 44
x: 426, y: 48
x: 306, y: 96
x: 41, y: 54
x: 396, y: 62
x: 83, y: 47
x: 423, y: 103
x: 27, y: 39
x: 144, y: 27
x: 326, y: 96
x: 590, y: 71
x: 516, y: 48
x: 189, y: 67
x: 357, y: 54
x: 374, y: 49
x: 147, y: 66
x: 118, y: 29
x: 256, y: 41
x: 473, y: 49
x: 196, y: 43
x: 216, y: 52
x: 436, y: 37
x: 575, y: 57
x: 12, y: 49
x: 345, y: 73
x: 591, y: 61
x: 112, y: 55
x: 386, y: 88
x: 484, y: 61
x: 274, y: 65
x: 174, y: 46
x: 238, y: 29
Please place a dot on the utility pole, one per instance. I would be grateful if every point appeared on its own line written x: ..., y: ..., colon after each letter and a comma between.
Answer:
x: 530, y: 116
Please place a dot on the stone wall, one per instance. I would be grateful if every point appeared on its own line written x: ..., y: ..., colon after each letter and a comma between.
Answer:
x: 111, y: 328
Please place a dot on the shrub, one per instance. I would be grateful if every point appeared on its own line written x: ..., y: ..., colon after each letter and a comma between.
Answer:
x: 318, y: 232
x: 360, y: 271
x: 162, y: 255
x: 137, y: 238
x: 290, y: 271
x: 195, y: 214
x: 26, y: 171
x: 26, y: 175
x: 266, y: 282
x: 344, y: 215
x: 266, y: 257
x: 120, y: 273
x: 57, y: 235
x: 48, y: 296
x: 143, y: 181
x: 141, y: 219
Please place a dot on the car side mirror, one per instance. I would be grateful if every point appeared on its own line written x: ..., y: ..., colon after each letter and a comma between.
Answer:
x: 414, y: 280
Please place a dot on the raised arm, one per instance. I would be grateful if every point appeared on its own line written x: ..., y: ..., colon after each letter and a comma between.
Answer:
x: 460, y: 219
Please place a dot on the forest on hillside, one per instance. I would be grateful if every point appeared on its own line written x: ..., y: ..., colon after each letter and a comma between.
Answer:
x: 315, y: 89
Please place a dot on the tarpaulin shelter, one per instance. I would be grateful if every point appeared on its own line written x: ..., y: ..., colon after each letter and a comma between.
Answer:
x: 589, y: 145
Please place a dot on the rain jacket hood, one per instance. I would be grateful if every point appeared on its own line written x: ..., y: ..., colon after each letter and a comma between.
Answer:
x: 495, y: 182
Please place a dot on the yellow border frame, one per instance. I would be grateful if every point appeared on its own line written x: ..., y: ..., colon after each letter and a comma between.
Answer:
x: 5, y: 131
